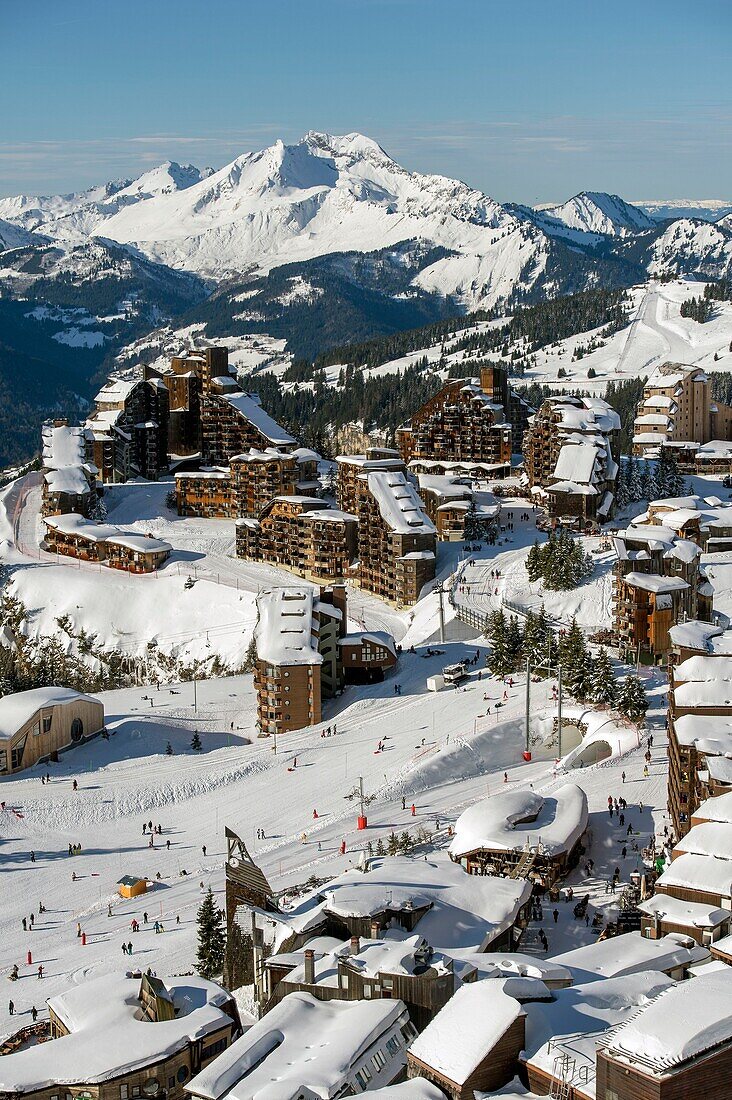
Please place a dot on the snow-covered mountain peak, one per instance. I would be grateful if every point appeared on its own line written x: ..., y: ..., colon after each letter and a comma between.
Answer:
x: 599, y: 212
x: 164, y: 179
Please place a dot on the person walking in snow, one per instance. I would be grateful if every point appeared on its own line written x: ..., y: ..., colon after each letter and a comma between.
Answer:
x: 124, y: 948
x: 623, y: 777
x: 11, y: 1008
x: 203, y: 849
x: 40, y: 971
x: 555, y: 914
x: 34, y: 1013
x: 414, y: 810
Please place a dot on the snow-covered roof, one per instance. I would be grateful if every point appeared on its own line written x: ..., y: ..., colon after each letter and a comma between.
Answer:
x: 652, y: 582
x: 466, y: 912
x: 63, y: 446
x: 17, y: 709
x: 693, y: 729
x: 141, y: 544
x: 580, y: 1015
x: 71, y: 523
x: 67, y: 479
x: 395, y: 953
x: 701, y: 667
x: 116, y: 390
x: 465, y: 1031
x: 684, y: 1021
x: 513, y: 819
x: 715, y: 448
x: 629, y: 954
x: 256, y: 415
x: 701, y: 694
x: 711, y: 838
x: 694, y: 872
x: 685, y: 914
x: 576, y: 462
x: 398, y: 502
x: 378, y: 637
x: 417, y: 1088
x: 302, y: 1043
x: 715, y: 809
x: 284, y: 630
x: 442, y: 485
x: 108, y: 1034
x: 331, y: 515
x: 694, y: 634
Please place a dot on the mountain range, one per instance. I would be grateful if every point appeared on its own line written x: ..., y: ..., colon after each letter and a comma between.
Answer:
x: 322, y: 242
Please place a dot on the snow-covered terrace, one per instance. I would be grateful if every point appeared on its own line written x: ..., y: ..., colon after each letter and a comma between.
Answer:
x: 109, y: 1036
x: 517, y: 819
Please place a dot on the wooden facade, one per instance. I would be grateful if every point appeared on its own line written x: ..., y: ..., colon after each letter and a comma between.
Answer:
x: 303, y: 535
x: 495, y: 1070
x: 54, y: 724
x: 460, y: 423
x: 707, y: 1077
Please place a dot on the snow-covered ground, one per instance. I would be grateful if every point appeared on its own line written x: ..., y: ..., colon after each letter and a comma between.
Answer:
x: 443, y: 751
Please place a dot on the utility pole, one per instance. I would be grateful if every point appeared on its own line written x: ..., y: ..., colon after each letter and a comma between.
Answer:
x: 195, y: 695
x: 559, y: 728
x: 528, y: 704
x: 442, y: 612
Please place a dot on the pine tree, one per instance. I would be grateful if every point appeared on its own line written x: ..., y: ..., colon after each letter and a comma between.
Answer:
x: 250, y: 657
x: 196, y: 742
x: 632, y: 701
x: 635, y: 487
x: 514, y: 643
x: 499, y: 661
x: 380, y: 849
x: 574, y: 659
x: 392, y: 844
x: 533, y: 562
x: 211, y: 938
x: 169, y: 749
x: 470, y: 525
x: 602, y: 688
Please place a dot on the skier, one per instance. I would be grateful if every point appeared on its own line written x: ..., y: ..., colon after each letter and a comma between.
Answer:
x: 75, y: 785
x: 203, y: 849
x: 414, y: 810
x: 40, y: 972
x: 167, y: 844
x: 33, y: 857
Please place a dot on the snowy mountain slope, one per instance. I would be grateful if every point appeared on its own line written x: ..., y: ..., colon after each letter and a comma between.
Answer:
x: 693, y: 248
x: 596, y: 212
x: 75, y: 216
x: 14, y: 236
x: 709, y: 210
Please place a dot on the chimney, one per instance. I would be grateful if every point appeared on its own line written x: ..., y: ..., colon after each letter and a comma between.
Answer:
x: 375, y: 930
x: 309, y: 967
x: 355, y: 945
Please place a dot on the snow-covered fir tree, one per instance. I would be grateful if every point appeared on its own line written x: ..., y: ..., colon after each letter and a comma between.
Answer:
x: 632, y: 700
x: 601, y: 679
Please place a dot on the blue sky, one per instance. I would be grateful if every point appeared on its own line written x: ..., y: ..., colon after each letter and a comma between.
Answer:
x: 529, y: 101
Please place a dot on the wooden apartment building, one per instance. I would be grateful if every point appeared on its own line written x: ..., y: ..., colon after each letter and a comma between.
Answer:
x: 699, y: 735
x: 396, y: 539
x: 571, y: 452
x: 658, y: 582
x: 68, y: 474
x: 678, y: 410
x: 460, y: 423
x: 303, y: 535
x: 129, y: 430
x: 351, y: 467
x: 301, y: 644
x: 73, y: 536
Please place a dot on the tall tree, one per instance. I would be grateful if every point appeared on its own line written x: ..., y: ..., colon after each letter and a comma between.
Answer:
x: 211, y: 937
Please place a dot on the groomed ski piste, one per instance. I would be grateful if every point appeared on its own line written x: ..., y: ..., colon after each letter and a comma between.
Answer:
x: 442, y: 752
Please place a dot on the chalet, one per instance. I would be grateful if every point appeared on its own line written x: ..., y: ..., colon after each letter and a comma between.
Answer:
x: 67, y: 470
x: 474, y: 1042
x: 632, y: 954
x: 705, y: 879
x: 119, y: 1036
x: 38, y: 724
x: 678, y: 1045
x: 395, y: 967
x: 663, y: 915
x: 522, y: 834
x: 360, y: 1045
x: 571, y: 453
x: 367, y: 656
x: 73, y: 536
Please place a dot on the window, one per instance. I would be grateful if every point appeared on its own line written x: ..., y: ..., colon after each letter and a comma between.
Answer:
x: 18, y: 749
x: 123, y: 1092
x: 77, y: 729
x: 379, y: 1060
x: 36, y: 729
x: 47, y: 723
x: 135, y: 1090
x: 182, y: 1075
x: 392, y: 1045
x: 363, y: 1076
x: 171, y: 1083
